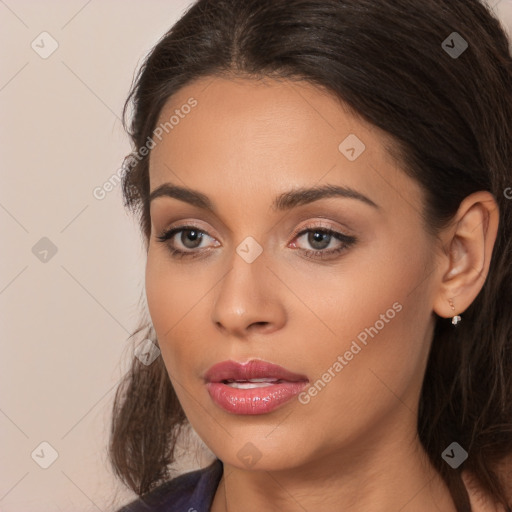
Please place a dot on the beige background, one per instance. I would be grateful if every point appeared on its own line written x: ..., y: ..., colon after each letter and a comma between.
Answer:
x: 65, y: 320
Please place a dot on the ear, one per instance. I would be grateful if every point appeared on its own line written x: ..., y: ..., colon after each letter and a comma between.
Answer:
x: 468, y: 244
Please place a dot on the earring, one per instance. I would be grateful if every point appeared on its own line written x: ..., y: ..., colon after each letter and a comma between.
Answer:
x: 455, y: 319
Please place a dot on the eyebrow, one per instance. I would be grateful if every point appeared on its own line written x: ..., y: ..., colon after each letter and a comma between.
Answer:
x: 283, y: 202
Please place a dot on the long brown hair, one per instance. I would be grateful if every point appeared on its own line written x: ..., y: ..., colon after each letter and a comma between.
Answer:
x: 450, y: 118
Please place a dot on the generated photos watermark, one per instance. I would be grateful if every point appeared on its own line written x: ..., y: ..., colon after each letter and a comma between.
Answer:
x: 100, y: 192
x: 355, y: 348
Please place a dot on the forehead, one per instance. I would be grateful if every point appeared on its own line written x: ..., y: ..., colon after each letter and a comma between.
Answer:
x: 243, y: 134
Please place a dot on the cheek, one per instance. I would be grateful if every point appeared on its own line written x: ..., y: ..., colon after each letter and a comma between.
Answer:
x: 369, y: 331
x: 174, y: 300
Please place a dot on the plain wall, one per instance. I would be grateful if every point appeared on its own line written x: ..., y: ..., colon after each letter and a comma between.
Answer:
x: 72, y: 265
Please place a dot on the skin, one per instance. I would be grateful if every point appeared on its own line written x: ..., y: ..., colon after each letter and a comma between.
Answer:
x: 354, y: 445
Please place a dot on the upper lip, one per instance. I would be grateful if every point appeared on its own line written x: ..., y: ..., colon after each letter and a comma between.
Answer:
x: 253, y: 369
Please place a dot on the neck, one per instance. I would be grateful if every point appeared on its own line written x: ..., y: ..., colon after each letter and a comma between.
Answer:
x: 381, y: 473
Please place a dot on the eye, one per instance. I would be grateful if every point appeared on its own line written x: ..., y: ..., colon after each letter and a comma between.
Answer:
x: 187, y: 243
x: 325, y: 242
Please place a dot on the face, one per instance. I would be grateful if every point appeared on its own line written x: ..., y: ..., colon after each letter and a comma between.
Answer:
x: 337, y: 288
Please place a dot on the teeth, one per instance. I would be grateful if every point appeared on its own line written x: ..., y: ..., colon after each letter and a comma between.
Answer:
x: 254, y: 383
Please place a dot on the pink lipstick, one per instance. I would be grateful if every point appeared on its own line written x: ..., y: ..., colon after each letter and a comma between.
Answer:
x: 256, y: 387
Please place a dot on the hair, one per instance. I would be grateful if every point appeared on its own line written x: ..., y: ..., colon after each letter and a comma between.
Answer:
x: 450, y: 123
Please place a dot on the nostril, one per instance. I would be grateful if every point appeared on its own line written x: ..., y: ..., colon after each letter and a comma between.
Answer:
x: 259, y: 323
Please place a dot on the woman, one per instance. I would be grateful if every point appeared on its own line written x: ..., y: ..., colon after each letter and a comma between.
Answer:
x: 324, y: 191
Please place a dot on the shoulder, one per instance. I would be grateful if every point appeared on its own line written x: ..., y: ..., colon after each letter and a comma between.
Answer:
x: 192, y: 491
x: 480, y: 500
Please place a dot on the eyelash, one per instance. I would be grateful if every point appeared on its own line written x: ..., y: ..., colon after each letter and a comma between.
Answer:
x: 347, y: 240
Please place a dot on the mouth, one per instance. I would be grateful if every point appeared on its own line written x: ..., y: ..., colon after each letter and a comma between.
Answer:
x: 255, y: 387
x: 252, y: 383
x: 255, y: 371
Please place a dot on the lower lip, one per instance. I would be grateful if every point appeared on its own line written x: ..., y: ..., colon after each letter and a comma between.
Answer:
x: 256, y: 400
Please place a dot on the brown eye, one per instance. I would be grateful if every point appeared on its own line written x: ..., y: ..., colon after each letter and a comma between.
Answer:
x: 319, y: 238
x: 187, y: 244
x: 189, y: 238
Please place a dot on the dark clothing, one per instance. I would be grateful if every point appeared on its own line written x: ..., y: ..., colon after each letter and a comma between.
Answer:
x: 189, y: 492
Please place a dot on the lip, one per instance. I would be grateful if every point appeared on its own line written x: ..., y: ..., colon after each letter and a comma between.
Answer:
x: 258, y: 400
x: 253, y: 369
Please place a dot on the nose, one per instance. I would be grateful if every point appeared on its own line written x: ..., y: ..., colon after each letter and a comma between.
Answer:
x: 248, y: 300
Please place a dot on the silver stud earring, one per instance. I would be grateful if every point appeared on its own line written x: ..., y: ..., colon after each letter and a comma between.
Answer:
x: 455, y: 319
